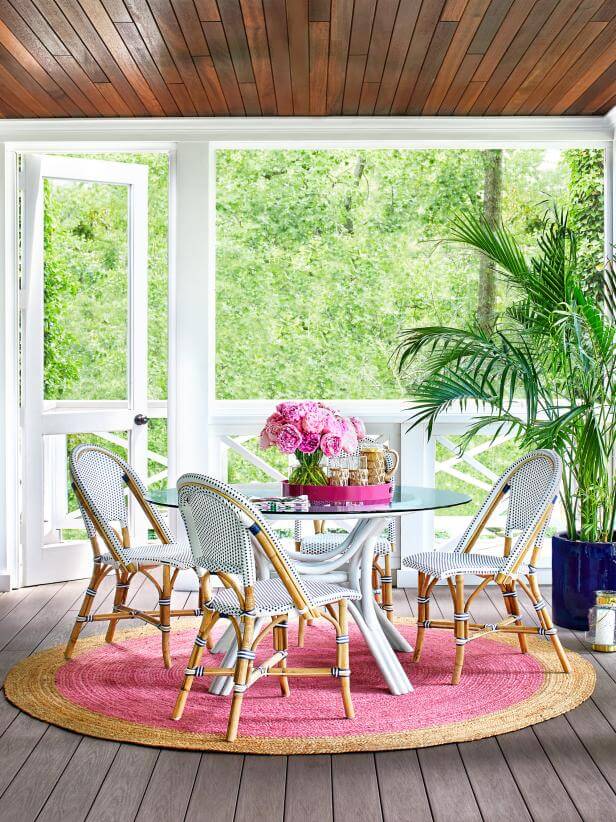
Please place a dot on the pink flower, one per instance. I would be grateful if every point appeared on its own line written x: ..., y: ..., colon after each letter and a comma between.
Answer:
x: 264, y: 440
x: 360, y: 428
x: 314, y: 419
x: 332, y: 425
x: 310, y: 443
x: 330, y: 445
x: 288, y: 439
x: 290, y: 411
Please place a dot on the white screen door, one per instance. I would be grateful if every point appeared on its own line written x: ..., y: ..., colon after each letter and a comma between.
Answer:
x: 84, y: 336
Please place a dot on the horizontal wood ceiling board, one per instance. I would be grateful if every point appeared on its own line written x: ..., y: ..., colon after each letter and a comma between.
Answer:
x: 128, y: 58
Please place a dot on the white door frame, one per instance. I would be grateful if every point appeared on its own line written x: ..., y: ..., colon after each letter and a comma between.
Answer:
x: 59, y: 561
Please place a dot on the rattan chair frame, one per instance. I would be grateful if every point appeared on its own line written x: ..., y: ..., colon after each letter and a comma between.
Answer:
x: 245, y: 673
x: 125, y: 572
x: 464, y: 630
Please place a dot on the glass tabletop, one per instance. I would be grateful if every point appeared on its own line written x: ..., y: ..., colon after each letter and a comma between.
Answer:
x: 406, y: 499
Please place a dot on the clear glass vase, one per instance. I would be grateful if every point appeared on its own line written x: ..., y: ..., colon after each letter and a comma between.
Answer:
x: 309, y: 471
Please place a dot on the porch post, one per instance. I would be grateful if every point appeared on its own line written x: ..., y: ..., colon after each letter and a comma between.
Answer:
x: 191, y: 308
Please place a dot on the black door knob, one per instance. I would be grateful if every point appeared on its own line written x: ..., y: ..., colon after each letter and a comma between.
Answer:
x: 141, y: 419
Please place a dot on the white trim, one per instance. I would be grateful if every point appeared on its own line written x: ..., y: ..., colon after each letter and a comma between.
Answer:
x: 191, y: 346
x: 387, y: 131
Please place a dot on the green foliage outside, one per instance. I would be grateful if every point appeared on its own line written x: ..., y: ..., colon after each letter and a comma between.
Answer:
x: 322, y: 256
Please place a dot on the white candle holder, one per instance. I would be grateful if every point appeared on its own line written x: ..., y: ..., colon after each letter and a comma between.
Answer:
x: 602, y: 622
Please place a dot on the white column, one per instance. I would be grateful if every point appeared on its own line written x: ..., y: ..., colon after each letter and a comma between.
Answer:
x: 417, y: 456
x: 191, y: 308
x: 9, y: 519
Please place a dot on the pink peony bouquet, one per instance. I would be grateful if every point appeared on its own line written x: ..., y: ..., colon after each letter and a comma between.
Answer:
x: 310, y: 430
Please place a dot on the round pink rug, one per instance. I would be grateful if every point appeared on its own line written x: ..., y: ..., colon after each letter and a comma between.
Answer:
x: 122, y: 691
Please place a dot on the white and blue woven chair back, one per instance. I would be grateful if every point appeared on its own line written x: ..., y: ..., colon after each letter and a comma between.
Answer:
x: 531, y: 483
x: 222, y: 525
x: 101, y: 477
x: 218, y: 539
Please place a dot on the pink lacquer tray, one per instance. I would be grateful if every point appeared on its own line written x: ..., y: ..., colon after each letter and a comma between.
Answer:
x: 340, y: 494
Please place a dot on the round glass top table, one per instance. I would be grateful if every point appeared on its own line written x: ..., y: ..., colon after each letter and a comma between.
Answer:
x: 348, y: 563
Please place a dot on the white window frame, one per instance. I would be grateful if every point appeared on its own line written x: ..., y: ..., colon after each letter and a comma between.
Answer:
x: 192, y: 142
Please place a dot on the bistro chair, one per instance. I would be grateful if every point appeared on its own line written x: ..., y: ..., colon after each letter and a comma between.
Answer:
x: 101, y: 480
x: 225, y: 532
x: 532, y: 484
x: 323, y: 542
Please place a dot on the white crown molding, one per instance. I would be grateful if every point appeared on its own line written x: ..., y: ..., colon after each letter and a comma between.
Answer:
x: 340, y: 131
x: 611, y: 118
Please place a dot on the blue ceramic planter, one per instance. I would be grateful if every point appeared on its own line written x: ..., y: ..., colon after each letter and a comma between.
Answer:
x: 578, y: 570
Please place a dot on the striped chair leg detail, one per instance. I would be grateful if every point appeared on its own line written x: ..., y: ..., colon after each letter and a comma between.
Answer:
x: 207, y: 623
x: 164, y: 605
x: 86, y: 606
x: 240, y: 678
x: 546, y: 622
x: 342, y: 659
x: 423, y: 613
x: 387, y: 588
x: 376, y: 584
x: 460, y: 628
x: 119, y: 598
x: 281, y: 643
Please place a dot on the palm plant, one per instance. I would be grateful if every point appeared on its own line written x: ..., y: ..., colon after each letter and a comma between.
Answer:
x: 554, y: 347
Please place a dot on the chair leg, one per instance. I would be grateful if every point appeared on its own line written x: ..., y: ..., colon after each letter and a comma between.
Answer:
x: 388, y: 591
x: 423, y: 613
x: 164, y: 605
x: 510, y: 595
x: 240, y: 677
x: 547, y: 625
x: 460, y: 628
x: 376, y: 584
x: 342, y: 659
x: 281, y: 643
x: 301, y: 630
x: 123, y: 579
x: 207, y: 623
x: 98, y: 574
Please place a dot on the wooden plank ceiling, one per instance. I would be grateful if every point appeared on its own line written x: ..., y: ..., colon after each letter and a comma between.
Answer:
x: 128, y: 58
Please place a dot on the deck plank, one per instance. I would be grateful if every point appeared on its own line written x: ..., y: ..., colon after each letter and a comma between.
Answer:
x: 401, y: 787
x: 168, y: 792
x: 355, y: 788
x: 262, y: 788
x: 448, y: 785
x: 74, y: 792
x: 124, y: 785
x: 25, y: 796
x: 308, y: 796
x: 216, y: 786
x: 536, y: 778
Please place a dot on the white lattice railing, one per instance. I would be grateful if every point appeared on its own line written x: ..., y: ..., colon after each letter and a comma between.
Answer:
x: 57, y: 516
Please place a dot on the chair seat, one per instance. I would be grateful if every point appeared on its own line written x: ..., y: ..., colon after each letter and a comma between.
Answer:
x: 272, y: 598
x: 177, y: 554
x: 447, y: 563
x: 323, y: 543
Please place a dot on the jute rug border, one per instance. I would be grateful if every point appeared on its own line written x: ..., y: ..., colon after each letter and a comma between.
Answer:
x: 30, y: 685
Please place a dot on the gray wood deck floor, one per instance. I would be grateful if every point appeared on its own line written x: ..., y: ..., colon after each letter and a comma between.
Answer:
x: 561, y: 770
